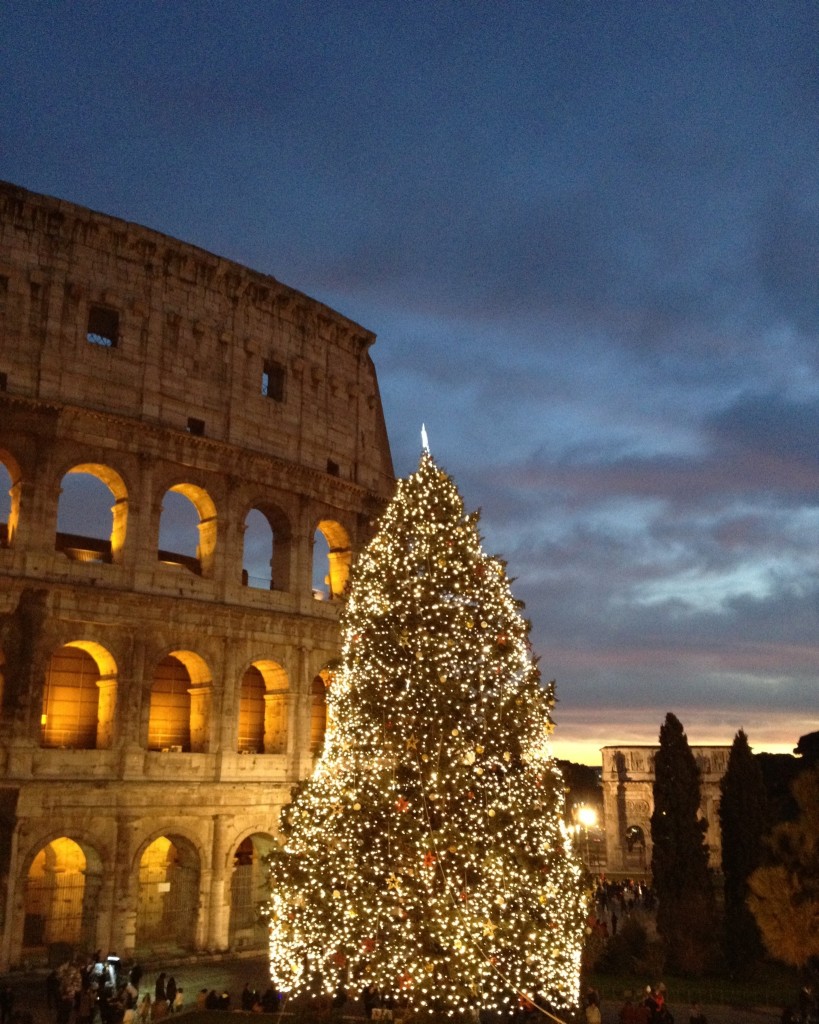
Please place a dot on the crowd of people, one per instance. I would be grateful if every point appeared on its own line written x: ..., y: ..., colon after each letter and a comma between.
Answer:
x: 99, y: 989
x: 100, y: 992
x: 615, y: 901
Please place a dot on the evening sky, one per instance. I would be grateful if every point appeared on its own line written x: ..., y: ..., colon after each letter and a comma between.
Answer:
x: 587, y: 237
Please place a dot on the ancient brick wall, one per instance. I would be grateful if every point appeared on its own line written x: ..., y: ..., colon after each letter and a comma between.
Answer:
x: 160, y: 369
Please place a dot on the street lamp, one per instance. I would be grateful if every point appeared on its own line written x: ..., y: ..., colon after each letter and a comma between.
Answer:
x: 586, y: 818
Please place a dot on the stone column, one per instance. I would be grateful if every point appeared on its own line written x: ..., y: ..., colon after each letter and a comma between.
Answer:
x: 12, y: 911
x: 201, y: 698
x: 277, y: 704
x: 106, y: 709
x: 219, y: 916
x: 125, y: 888
x: 119, y: 513
x: 339, y: 560
x: 227, y: 710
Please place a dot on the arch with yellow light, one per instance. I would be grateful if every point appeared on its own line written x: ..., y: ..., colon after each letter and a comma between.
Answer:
x: 79, y: 697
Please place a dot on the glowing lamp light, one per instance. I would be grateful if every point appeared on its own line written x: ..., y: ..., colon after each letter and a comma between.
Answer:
x: 587, y: 817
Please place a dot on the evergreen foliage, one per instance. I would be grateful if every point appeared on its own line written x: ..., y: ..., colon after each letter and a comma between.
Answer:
x: 679, y: 860
x: 743, y: 815
x: 427, y: 854
x: 784, y: 896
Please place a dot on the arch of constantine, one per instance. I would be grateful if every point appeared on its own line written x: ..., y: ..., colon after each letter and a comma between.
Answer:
x: 628, y: 803
x: 162, y: 678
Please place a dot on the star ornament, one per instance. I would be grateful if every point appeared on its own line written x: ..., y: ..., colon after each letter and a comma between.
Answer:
x: 401, y: 804
x: 429, y: 859
x: 412, y: 743
x: 393, y: 882
x: 489, y: 928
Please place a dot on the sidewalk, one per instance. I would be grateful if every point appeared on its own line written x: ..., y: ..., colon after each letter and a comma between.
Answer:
x: 229, y: 974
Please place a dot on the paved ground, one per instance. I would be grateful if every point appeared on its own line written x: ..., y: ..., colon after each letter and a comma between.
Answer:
x: 230, y: 974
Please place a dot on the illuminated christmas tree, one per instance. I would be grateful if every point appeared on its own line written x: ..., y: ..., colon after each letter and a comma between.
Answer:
x: 427, y: 853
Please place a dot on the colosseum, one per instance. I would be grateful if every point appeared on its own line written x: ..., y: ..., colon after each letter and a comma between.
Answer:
x: 192, y: 454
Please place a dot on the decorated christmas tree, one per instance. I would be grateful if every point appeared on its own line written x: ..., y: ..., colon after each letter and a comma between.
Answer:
x: 427, y: 854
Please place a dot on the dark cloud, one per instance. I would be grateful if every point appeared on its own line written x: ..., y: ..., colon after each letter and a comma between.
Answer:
x: 586, y: 236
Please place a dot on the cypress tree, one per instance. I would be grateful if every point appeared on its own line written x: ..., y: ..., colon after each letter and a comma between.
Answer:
x: 743, y: 815
x: 679, y: 860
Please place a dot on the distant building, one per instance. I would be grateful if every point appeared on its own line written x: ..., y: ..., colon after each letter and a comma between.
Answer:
x: 158, y: 700
x: 628, y: 803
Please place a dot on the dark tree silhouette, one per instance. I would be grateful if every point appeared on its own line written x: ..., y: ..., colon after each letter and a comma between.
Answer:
x: 808, y: 749
x: 743, y: 815
x: 679, y: 860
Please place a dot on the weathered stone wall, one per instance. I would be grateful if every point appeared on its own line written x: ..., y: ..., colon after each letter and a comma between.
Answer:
x: 628, y: 803
x: 174, y: 400
x: 194, y: 332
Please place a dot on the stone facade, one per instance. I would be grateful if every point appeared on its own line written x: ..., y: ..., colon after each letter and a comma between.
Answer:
x: 628, y: 803
x: 158, y: 702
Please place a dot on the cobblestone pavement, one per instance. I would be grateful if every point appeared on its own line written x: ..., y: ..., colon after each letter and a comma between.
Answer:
x: 231, y: 973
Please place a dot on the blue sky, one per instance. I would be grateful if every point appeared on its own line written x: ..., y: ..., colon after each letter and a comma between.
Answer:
x: 587, y: 236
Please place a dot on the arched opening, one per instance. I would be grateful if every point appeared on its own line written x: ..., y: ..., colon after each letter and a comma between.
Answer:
x: 266, y: 555
x: 60, y: 900
x: 318, y: 708
x: 79, y: 697
x: 331, y: 560
x: 248, y: 891
x: 89, y: 527
x: 9, y: 498
x: 635, y: 852
x: 257, y: 556
x: 168, y: 898
x: 251, y: 712
x: 263, y: 709
x: 187, y: 529
x: 180, y: 709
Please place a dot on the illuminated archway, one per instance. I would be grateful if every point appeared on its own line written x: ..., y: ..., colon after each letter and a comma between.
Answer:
x: 332, y: 556
x: 89, y: 528
x: 318, y: 708
x: 60, y: 898
x: 79, y: 697
x: 187, y: 536
x: 10, y: 485
x: 180, y: 708
x: 263, y: 709
x: 248, y: 891
x: 168, y: 898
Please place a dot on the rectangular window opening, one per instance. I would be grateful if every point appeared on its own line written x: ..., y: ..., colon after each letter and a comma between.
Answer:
x: 4, y: 382
x: 196, y: 426
x: 103, y: 327
x: 273, y: 380
x: 332, y: 467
